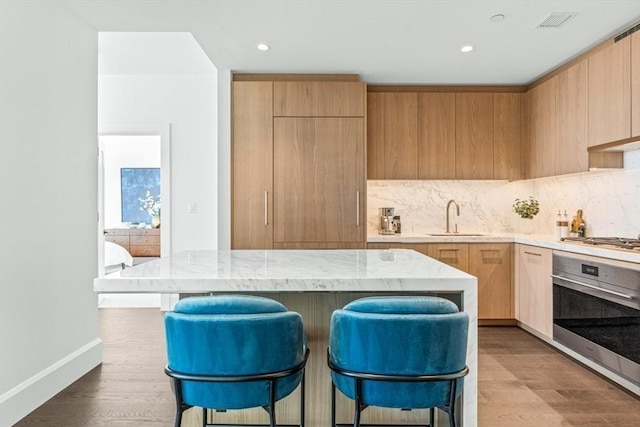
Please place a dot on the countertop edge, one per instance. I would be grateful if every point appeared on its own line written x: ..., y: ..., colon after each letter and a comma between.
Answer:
x: 539, y: 240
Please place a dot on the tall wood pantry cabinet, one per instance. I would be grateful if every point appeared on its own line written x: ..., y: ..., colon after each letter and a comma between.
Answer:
x: 298, y: 164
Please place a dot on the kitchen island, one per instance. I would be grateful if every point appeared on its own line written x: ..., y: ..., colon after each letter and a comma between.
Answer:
x: 313, y: 283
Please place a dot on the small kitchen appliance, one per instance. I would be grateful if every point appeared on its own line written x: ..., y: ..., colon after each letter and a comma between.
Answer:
x: 386, y: 221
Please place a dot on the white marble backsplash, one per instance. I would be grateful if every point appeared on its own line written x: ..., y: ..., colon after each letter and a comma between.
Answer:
x: 609, y: 199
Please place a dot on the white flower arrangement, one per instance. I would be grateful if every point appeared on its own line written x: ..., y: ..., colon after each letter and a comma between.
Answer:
x: 150, y: 204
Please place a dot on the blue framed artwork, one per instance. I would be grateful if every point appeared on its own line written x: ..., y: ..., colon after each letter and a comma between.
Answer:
x: 134, y: 184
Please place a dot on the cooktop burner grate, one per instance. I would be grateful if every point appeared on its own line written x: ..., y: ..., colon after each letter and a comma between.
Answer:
x: 618, y: 242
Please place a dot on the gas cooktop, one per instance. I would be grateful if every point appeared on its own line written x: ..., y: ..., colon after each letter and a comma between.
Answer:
x: 616, y: 242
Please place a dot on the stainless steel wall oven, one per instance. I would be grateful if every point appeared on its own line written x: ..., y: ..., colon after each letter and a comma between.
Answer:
x: 596, y: 311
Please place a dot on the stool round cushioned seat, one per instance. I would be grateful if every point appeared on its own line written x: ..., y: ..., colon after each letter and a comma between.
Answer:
x: 233, y: 335
x: 402, y: 336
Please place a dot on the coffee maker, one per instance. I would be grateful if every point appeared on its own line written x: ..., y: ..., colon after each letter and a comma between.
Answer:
x: 386, y: 221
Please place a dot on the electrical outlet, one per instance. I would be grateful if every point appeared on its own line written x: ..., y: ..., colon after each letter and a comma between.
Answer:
x: 192, y: 207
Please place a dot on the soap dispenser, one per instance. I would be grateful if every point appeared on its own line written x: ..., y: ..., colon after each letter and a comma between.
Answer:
x: 559, y: 225
x: 564, y: 225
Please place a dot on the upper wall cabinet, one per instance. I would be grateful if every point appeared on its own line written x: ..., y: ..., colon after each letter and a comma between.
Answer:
x: 610, y: 93
x: 508, y: 124
x: 542, y: 128
x: 392, y: 131
x: 436, y: 135
x: 444, y: 135
x: 571, y: 120
x: 319, y: 99
x: 635, y: 84
x: 474, y: 135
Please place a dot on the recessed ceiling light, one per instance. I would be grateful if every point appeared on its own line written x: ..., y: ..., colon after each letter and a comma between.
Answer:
x: 466, y: 49
x: 497, y: 18
x: 263, y: 47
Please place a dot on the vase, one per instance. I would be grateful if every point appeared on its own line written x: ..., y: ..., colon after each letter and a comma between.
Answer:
x: 155, y: 221
x: 526, y: 226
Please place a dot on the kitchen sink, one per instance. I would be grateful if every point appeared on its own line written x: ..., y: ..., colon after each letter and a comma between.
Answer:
x: 455, y: 234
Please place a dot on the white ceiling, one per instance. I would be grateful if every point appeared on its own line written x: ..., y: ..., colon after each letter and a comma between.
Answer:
x: 395, y: 42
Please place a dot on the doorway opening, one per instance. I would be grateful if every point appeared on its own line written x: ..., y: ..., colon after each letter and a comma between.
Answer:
x: 132, y: 205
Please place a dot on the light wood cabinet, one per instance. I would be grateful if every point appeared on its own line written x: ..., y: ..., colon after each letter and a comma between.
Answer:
x: 319, y: 99
x: 507, y: 135
x: 319, y: 185
x: 491, y: 264
x: 436, y: 135
x: 454, y: 254
x: 571, y: 120
x: 445, y: 135
x: 252, y: 163
x: 474, y: 135
x: 392, y: 135
x: 610, y: 93
x: 542, y: 129
x: 139, y: 242
x: 534, y: 289
x: 418, y: 247
x: 298, y: 181
x: 635, y: 84
x: 320, y: 245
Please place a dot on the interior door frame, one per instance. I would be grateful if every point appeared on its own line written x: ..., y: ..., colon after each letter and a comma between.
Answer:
x: 136, y: 129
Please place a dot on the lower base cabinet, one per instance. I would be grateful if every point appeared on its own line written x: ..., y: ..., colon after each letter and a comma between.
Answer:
x: 534, y: 288
x: 491, y: 263
x: 418, y: 247
x: 454, y: 254
x: 319, y: 245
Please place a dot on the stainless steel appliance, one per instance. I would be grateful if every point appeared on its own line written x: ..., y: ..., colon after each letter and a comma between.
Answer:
x: 596, y: 311
x: 386, y: 221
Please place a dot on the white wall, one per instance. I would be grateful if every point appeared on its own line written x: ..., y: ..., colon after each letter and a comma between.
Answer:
x: 224, y: 159
x: 48, y: 178
x: 188, y: 102
x: 610, y: 201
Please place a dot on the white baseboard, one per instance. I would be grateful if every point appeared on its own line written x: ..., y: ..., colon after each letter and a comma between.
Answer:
x: 18, y: 402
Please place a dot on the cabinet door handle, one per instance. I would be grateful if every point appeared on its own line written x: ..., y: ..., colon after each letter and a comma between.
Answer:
x: 489, y: 250
x: 266, y: 207
x: 357, y: 208
x: 448, y: 250
x: 532, y: 253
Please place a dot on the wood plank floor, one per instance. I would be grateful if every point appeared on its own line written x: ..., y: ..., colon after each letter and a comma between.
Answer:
x: 522, y: 382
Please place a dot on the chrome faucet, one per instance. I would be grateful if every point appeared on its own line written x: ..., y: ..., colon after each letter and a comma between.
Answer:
x: 457, y: 214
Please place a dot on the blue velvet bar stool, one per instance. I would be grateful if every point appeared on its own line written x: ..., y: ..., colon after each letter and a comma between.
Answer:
x: 398, y: 352
x: 234, y: 352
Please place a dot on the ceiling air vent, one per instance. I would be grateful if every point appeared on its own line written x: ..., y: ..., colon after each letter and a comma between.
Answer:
x: 555, y: 19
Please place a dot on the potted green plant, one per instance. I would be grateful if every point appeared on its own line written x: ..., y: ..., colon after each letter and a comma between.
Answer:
x: 527, y: 208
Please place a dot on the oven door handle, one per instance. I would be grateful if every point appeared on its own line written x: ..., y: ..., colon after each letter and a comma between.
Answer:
x: 629, y: 297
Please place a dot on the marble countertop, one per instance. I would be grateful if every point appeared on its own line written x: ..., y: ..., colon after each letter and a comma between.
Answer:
x: 544, y: 241
x: 288, y: 271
